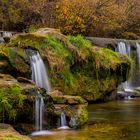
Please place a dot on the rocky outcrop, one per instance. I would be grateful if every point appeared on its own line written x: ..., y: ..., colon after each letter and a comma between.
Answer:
x: 74, y: 107
x: 19, y: 101
x: 75, y: 66
x: 20, y: 95
x: 14, y: 61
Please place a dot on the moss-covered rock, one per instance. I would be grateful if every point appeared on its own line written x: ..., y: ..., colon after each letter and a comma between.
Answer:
x: 75, y: 66
x: 14, y: 61
x: 17, y: 101
x: 74, y: 107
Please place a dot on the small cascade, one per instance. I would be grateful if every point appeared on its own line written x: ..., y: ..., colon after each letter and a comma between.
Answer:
x: 63, y: 119
x: 39, y: 73
x: 40, y: 77
x: 39, y: 112
x: 138, y: 52
x: 63, y: 122
x: 6, y: 34
x: 134, y: 53
x: 124, y: 48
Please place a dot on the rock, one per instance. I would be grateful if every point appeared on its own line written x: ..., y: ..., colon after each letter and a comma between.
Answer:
x: 75, y: 67
x: 25, y: 80
x: 23, y: 111
x: 74, y: 107
x: 59, y: 98
x: 14, y: 61
x: 7, y: 132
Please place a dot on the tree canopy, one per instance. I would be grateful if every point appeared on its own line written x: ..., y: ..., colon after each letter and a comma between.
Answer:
x: 103, y: 18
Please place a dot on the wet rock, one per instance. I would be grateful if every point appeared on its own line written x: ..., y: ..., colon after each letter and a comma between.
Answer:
x: 74, y: 107
x: 27, y: 93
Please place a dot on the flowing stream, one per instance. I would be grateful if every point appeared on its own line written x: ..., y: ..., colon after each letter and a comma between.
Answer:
x: 117, y: 120
x: 63, y: 122
x: 40, y: 77
x: 134, y: 53
x: 39, y: 73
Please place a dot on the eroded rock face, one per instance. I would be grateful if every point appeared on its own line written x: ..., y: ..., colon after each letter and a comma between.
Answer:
x: 75, y: 66
x: 24, y: 112
x: 14, y: 61
x: 55, y: 103
x: 74, y: 108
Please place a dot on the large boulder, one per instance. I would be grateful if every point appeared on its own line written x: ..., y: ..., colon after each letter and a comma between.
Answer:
x: 75, y: 66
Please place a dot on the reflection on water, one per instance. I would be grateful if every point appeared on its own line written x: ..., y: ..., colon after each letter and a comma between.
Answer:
x: 118, y: 120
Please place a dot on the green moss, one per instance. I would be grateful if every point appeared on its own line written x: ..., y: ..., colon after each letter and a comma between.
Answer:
x: 83, y: 115
x: 82, y: 44
x: 67, y: 76
x: 75, y: 66
x: 10, y: 99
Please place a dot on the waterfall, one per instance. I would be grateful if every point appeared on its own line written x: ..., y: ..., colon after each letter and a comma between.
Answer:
x: 124, y: 48
x: 63, y: 119
x: 39, y: 112
x: 63, y: 122
x: 39, y: 73
x: 40, y: 77
x: 138, y: 52
x: 6, y: 34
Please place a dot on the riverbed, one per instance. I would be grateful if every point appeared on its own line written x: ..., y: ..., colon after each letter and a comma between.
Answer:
x: 116, y: 120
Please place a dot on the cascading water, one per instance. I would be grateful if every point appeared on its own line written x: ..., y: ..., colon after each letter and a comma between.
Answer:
x: 134, y: 80
x: 63, y: 119
x: 63, y: 122
x: 138, y: 52
x: 39, y: 73
x: 124, y: 48
x: 4, y: 34
x: 39, y: 112
x: 40, y: 77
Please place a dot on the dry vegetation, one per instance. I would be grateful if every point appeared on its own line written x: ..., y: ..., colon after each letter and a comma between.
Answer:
x: 105, y: 18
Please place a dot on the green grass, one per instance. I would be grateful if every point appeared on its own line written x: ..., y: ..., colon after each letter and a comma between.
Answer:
x: 67, y: 76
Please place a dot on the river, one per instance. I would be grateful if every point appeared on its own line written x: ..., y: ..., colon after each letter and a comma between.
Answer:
x: 116, y: 120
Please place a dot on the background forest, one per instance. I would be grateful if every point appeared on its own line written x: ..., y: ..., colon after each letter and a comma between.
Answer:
x: 101, y: 18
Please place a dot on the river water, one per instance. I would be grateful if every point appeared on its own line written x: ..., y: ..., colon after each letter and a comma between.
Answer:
x: 116, y: 120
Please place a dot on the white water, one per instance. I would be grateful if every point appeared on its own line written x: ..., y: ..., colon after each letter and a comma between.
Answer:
x: 5, y: 34
x: 138, y: 52
x: 39, y: 112
x: 124, y: 48
x: 42, y: 133
x: 134, y: 81
x: 39, y: 73
x: 63, y: 122
x: 40, y: 77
